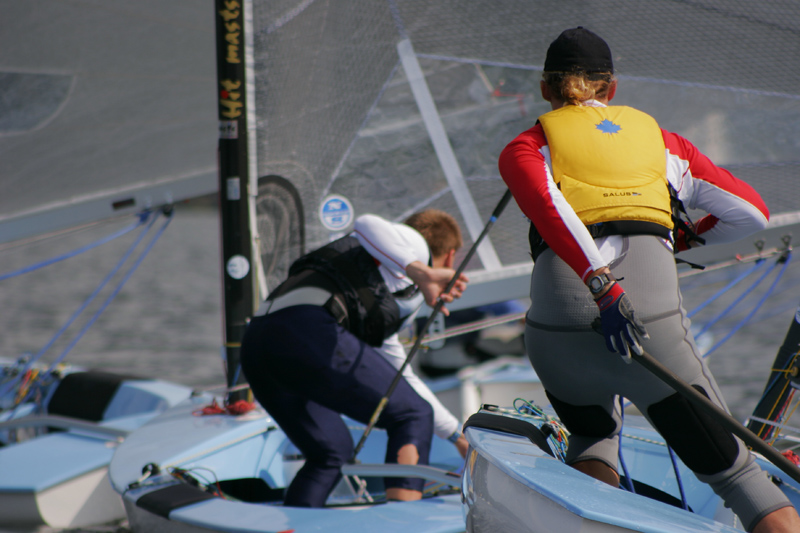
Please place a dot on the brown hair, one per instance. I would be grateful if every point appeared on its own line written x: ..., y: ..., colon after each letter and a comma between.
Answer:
x: 440, y: 230
x: 576, y: 87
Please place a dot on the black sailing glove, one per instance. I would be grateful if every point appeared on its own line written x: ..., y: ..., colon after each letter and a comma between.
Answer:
x: 620, y: 326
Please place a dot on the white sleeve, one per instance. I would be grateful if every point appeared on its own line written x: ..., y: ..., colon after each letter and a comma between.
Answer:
x: 444, y: 422
x: 395, y: 245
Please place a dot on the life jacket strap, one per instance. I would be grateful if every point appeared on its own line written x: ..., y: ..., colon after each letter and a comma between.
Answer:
x: 604, y: 229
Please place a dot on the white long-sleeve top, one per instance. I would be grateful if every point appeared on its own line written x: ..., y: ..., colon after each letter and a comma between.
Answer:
x: 394, y: 246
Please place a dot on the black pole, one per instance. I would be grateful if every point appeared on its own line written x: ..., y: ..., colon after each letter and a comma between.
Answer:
x: 778, y: 389
x: 438, y: 307
x: 730, y: 423
x: 234, y: 195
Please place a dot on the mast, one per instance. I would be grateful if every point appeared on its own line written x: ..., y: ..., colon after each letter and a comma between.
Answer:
x: 234, y: 186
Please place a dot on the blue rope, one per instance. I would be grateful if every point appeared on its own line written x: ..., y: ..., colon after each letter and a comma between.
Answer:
x: 115, y: 292
x: 30, y: 268
x: 628, y: 480
x: 759, y: 263
x: 84, y: 305
x: 736, y: 301
x: 110, y: 298
x: 678, y: 477
x: 758, y: 305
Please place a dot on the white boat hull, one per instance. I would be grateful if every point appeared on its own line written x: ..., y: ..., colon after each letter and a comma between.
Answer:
x: 511, y: 484
x: 83, y: 501
x: 59, y: 478
x: 250, y: 448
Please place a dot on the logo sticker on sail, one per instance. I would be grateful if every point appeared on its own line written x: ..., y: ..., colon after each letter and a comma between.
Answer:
x: 237, y: 266
x: 336, y: 212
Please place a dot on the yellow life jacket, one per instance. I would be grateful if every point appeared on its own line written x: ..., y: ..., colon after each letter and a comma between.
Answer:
x: 609, y: 163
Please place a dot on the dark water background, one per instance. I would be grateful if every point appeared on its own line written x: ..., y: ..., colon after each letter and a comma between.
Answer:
x: 166, y: 322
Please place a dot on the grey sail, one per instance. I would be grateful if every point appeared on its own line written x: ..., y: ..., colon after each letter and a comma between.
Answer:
x: 106, y: 108
x: 396, y: 106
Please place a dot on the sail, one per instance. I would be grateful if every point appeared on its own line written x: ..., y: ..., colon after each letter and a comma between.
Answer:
x: 390, y: 106
x: 106, y: 108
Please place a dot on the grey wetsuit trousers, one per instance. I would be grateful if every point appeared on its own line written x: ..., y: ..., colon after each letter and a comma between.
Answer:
x: 583, y: 379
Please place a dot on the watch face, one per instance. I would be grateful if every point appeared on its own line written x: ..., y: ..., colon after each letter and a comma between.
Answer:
x: 596, y: 284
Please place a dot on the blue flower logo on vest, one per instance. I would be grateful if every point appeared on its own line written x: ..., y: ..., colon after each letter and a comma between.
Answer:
x: 608, y: 127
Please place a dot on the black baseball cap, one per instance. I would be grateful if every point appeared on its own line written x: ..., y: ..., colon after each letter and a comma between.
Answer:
x: 578, y: 49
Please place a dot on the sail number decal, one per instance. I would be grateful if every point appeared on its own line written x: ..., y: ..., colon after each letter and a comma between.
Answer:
x: 336, y: 212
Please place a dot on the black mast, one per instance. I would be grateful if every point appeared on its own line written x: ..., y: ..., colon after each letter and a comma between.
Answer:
x: 237, y: 265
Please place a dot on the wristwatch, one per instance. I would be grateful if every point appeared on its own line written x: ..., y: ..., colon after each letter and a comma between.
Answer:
x: 596, y: 283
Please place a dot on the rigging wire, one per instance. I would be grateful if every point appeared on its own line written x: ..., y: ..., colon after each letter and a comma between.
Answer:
x: 142, y: 218
x: 727, y: 310
x: 83, y: 306
x: 116, y: 290
x: 759, y: 263
x: 168, y: 214
x: 785, y: 259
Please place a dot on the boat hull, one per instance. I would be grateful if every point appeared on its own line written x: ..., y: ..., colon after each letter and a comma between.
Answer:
x: 250, y: 448
x: 85, y: 500
x: 435, y: 515
x: 511, y: 484
x: 55, y: 466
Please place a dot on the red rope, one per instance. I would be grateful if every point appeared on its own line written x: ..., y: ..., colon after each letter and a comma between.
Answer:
x: 793, y: 457
x: 236, y: 408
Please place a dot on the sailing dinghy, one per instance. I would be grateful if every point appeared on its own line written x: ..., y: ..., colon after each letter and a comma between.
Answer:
x: 55, y: 453
x: 330, y: 110
x: 515, y: 482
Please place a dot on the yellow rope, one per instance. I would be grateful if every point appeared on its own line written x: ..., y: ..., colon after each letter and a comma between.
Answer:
x: 786, y: 372
x: 786, y: 418
x: 772, y: 411
x: 25, y: 384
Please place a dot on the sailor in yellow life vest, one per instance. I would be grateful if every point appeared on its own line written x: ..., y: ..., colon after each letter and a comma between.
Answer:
x: 595, y: 182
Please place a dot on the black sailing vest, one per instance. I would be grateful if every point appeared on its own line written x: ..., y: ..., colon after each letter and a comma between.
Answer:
x: 346, y: 269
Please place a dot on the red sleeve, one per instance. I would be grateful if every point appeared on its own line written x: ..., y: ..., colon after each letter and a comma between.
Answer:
x: 735, y: 208
x: 524, y: 169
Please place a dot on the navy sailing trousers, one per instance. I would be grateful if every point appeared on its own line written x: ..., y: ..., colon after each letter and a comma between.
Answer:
x: 305, y: 369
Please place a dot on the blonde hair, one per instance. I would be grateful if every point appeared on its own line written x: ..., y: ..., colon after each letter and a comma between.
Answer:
x: 576, y: 87
x: 439, y: 229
